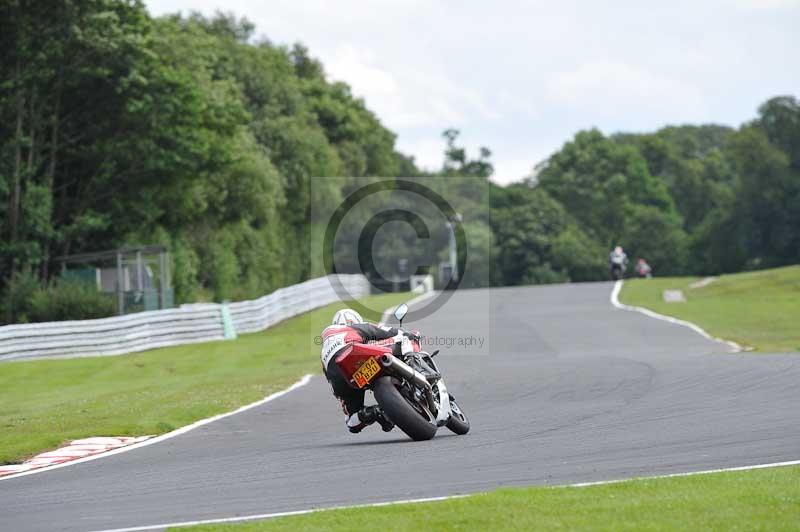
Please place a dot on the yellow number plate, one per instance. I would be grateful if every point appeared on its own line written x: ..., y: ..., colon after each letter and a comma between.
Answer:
x: 366, y: 372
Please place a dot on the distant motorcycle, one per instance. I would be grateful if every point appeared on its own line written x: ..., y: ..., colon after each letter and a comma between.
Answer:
x: 618, y: 261
x: 406, y: 384
x: 617, y: 272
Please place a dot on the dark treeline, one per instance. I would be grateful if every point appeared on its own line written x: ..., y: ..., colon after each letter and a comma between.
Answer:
x: 691, y: 200
x: 120, y: 129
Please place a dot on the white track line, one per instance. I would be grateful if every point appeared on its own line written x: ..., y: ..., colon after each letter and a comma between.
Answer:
x: 419, y: 299
x: 168, y: 435
x: 256, y: 517
x: 686, y: 474
x: 734, y: 347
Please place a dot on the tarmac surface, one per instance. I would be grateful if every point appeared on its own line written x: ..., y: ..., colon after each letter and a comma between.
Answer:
x: 564, y: 388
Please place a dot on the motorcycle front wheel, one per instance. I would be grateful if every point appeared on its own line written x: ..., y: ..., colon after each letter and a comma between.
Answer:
x: 413, y: 419
x: 458, y: 421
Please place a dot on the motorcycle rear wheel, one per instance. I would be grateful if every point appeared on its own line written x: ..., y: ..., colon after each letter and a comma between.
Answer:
x: 418, y: 425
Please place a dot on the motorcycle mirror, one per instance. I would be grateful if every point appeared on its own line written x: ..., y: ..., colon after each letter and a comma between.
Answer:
x: 435, y: 353
x: 400, y: 312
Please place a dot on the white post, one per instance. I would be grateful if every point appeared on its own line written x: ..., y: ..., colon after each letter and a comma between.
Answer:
x: 120, y: 286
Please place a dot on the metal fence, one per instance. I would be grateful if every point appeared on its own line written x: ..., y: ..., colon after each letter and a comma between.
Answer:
x: 160, y: 328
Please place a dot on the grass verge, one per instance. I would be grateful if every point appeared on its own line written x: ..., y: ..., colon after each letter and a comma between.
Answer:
x: 44, y: 403
x: 763, y: 499
x: 758, y: 309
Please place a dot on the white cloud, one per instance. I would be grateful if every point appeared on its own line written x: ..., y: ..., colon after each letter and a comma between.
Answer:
x: 356, y: 66
x: 511, y: 170
x: 617, y: 88
x: 427, y: 98
x: 521, y: 105
x: 428, y: 151
x: 767, y: 4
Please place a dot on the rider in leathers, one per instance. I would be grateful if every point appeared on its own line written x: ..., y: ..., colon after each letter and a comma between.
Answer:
x: 352, y: 399
x: 618, y: 260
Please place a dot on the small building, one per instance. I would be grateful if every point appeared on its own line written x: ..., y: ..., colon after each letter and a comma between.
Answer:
x: 137, y: 277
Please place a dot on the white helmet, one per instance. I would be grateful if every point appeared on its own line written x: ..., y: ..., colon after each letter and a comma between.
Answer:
x: 347, y: 316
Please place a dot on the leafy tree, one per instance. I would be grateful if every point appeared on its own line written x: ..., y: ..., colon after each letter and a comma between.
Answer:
x: 185, y: 131
x: 690, y: 161
x: 525, y: 233
x: 767, y: 199
x: 457, y: 163
x: 779, y: 117
x: 608, y: 187
x: 574, y: 252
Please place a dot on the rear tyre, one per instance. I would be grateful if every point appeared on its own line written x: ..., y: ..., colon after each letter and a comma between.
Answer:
x: 458, y: 421
x: 417, y: 422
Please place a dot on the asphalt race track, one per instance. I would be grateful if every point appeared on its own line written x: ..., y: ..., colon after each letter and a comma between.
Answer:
x: 564, y: 389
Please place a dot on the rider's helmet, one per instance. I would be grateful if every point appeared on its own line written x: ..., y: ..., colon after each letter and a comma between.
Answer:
x: 347, y: 316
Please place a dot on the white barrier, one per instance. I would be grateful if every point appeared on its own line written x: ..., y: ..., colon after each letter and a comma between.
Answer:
x: 160, y: 328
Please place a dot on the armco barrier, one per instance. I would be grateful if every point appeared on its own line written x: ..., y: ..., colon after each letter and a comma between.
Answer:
x: 159, y: 328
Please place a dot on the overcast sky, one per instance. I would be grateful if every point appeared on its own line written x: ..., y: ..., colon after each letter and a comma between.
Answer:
x: 522, y: 77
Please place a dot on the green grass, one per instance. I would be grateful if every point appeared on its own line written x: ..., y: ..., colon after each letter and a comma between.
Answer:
x: 47, y: 402
x: 756, y: 309
x: 764, y: 499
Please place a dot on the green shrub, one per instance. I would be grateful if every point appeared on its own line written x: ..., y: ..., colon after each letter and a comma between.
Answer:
x: 17, y: 297
x: 581, y: 257
x: 543, y: 274
x: 69, y: 300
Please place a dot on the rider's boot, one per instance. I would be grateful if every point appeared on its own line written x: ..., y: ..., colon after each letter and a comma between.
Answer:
x: 363, y: 418
x: 367, y: 416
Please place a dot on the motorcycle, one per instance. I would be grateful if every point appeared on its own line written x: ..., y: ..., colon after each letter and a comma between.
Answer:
x: 406, y: 383
x: 617, y: 271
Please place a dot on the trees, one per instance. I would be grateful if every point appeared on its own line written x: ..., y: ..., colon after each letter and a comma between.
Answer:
x: 607, y: 186
x: 457, y: 163
x: 537, y: 241
x: 767, y: 199
x: 691, y: 199
x: 78, y: 80
x: 689, y: 160
x: 119, y: 129
x: 779, y: 118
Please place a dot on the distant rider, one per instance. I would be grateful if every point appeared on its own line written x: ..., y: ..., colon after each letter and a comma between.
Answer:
x: 643, y: 269
x: 348, y: 327
x: 619, y: 262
